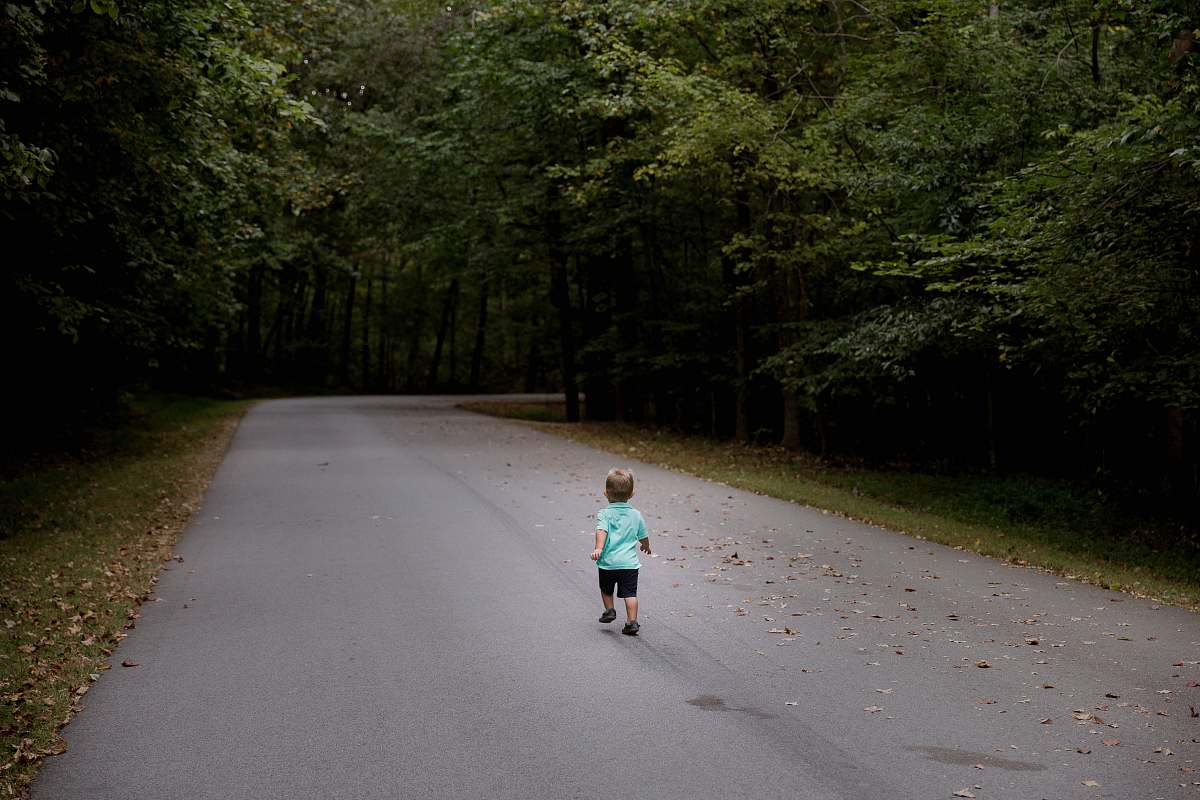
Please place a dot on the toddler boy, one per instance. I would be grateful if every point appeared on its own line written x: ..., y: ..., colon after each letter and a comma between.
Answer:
x: 619, y: 530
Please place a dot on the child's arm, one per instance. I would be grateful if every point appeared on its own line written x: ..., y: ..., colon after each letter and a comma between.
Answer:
x: 645, y: 545
x: 601, y: 535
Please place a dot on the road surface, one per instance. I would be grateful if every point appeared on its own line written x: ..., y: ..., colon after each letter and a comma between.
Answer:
x: 392, y: 598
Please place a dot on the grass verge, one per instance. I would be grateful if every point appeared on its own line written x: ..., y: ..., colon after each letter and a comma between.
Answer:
x: 531, y: 411
x: 82, y: 538
x: 1065, y: 528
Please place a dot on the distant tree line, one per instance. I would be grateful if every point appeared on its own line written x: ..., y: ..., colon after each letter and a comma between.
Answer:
x: 950, y: 234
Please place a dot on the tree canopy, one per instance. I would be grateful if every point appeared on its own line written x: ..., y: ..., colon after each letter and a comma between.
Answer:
x: 955, y: 234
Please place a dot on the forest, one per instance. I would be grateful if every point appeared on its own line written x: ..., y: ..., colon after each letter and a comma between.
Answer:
x: 934, y: 234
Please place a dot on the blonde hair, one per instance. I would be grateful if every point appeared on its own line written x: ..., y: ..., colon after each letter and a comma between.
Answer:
x: 619, y: 485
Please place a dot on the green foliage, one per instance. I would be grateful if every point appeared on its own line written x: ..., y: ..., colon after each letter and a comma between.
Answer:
x: 138, y: 140
x: 901, y: 230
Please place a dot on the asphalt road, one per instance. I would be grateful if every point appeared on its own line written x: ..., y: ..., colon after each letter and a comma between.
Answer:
x: 392, y: 598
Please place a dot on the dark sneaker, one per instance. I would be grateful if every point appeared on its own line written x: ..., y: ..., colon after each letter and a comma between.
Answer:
x: 631, y: 629
x: 609, y: 615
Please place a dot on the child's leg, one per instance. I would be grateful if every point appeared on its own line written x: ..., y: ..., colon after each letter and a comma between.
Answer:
x: 630, y: 608
x: 608, y: 582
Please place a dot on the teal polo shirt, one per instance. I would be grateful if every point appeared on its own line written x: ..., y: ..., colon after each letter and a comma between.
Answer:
x: 624, y: 526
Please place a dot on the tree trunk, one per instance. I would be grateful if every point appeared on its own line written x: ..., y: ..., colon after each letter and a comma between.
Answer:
x: 347, y: 330
x: 252, y: 343
x: 824, y: 431
x: 991, y: 420
x: 791, y: 420
x: 596, y: 285
x: 480, y: 328
x: 295, y: 311
x: 1096, y: 53
x: 560, y: 297
x: 454, y: 337
x: 627, y: 398
x: 447, y: 306
x: 270, y: 347
x: 315, y: 330
x: 366, y: 339
x: 791, y: 308
x: 1175, y: 453
x: 533, y: 364
x: 381, y: 356
x: 741, y: 304
x: 415, y: 333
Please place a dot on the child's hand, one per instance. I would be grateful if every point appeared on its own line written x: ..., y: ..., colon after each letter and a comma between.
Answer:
x: 596, y: 554
x: 645, y: 544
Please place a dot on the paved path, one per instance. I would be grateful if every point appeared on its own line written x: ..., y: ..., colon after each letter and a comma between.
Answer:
x: 391, y: 598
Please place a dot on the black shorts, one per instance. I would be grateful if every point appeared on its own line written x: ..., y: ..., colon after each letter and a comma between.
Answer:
x: 624, y: 579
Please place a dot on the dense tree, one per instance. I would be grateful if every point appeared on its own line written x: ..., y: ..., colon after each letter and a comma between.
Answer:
x: 141, y: 138
x: 961, y: 234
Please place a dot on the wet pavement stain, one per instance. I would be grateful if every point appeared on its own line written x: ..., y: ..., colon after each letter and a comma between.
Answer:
x: 710, y: 702
x: 965, y: 758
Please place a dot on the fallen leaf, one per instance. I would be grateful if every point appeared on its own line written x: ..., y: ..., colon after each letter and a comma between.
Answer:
x: 873, y: 709
x: 1111, y: 742
x: 129, y: 663
x: 1084, y: 750
x: 963, y: 793
x: 1089, y: 783
x: 1047, y: 721
x: 1112, y: 695
x: 983, y: 664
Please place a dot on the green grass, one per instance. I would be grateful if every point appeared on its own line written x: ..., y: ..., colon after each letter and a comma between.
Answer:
x: 82, y: 538
x: 533, y: 411
x: 1066, y: 528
